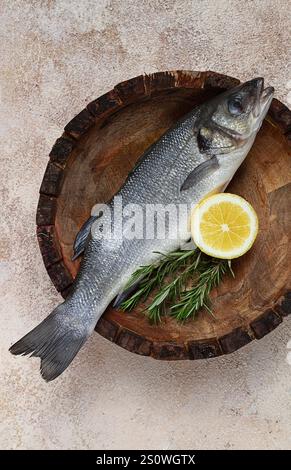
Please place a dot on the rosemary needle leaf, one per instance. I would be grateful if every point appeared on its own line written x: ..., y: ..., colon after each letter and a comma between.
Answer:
x: 170, y: 276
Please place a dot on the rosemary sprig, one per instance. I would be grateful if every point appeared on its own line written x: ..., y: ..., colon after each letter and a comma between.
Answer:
x: 197, y: 297
x: 173, y: 289
x: 153, y: 275
x: 170, y: 276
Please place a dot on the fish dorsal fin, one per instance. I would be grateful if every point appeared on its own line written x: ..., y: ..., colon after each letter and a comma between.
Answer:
x: 83, y: 237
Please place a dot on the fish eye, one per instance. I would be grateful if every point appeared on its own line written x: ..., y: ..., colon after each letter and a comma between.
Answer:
x: 235, y: 106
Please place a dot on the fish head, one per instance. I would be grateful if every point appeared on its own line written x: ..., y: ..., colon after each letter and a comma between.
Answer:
x: 231, y: 120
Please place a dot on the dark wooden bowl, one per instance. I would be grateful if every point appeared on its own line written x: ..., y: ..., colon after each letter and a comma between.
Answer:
x: 90, y: 161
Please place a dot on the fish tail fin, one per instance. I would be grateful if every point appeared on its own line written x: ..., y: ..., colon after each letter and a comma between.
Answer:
x: 54, y: 341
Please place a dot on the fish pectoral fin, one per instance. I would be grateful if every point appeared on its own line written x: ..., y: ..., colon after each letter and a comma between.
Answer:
x: 83, y: 236
x: 201, y: 171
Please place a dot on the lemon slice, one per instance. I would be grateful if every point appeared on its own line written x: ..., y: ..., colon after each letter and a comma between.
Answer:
x: 224, y: 226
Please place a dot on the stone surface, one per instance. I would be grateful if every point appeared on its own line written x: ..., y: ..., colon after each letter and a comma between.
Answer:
x: 56, y: 56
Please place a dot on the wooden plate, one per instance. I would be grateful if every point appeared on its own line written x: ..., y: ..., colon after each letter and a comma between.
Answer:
x: 90, y: 161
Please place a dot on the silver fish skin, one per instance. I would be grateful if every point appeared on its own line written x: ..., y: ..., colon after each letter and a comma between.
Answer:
x: 199, y: 155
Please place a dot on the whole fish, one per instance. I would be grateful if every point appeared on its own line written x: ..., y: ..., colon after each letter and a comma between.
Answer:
x: 197, y: 156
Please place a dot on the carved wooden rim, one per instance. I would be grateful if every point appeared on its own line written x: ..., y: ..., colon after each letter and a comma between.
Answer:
x: 122, y: 95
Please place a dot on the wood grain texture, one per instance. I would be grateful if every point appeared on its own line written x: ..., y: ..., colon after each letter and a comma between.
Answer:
x: 91, y: 160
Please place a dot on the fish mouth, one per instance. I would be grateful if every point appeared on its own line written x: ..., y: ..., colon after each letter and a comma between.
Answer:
x: 266, y: 94
x: 263, y: 96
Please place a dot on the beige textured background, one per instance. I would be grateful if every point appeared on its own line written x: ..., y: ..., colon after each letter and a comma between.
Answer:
x: 55, y: 57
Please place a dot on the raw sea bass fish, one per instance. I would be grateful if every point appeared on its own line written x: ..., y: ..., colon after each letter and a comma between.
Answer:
x: 197, y: 156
